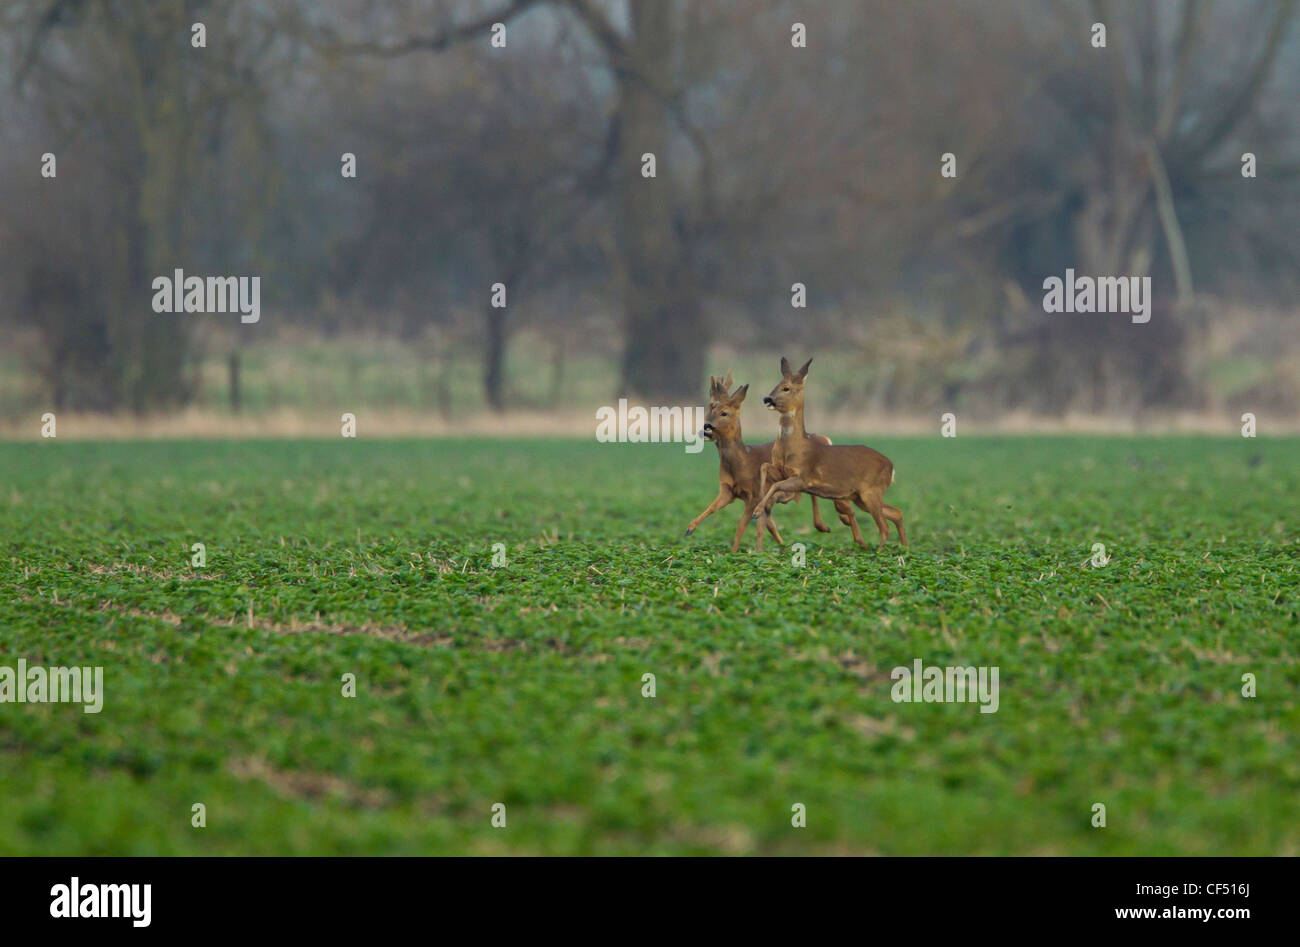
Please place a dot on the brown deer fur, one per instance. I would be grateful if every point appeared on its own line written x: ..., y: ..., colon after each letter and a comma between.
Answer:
x: 740, y: 467
x: 837, y: 472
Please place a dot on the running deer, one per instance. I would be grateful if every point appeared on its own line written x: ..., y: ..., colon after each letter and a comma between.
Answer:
x: 739, y: 472
x: 836, y: 472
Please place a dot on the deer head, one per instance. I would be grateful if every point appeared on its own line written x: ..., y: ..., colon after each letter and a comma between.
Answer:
x: 787, y: 396
x: 723, y: 419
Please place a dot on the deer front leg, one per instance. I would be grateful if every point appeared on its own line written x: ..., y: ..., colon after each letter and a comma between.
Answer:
x: 851, y: 521
x: 724, y: 497
x: 745, y: 517
x: 789, y: 485
x: 792, y: 484
x: 771, y: 528
x: 767, y: 474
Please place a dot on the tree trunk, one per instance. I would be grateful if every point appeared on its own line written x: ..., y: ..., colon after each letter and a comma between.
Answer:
x: 666, y: 341
x: 494, y: 359
x: 557, y: 369
x: 235, y: 397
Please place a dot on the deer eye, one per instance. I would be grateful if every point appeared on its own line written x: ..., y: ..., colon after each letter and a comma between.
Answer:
x: 724, y: 414
x: 786, y: 388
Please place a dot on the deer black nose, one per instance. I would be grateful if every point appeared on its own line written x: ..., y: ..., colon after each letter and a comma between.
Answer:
x: 767, y: 400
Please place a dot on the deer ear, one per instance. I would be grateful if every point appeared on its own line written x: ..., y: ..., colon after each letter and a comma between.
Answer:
x: 803, y: 372
x: 785, y: 366
x: 715, y: 385
x: 739, y: 394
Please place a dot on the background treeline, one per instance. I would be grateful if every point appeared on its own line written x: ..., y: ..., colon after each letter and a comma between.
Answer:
x: 775, y: 165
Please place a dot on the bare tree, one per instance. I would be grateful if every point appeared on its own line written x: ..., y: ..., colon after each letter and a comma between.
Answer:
x: 155, y: 128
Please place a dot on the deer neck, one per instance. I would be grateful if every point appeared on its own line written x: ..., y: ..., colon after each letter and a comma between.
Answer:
x: 729, y: 444
x: 792, y: 425
x: 731, y: 448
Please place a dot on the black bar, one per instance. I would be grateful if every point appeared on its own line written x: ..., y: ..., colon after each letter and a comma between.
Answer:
x: 332, y: 896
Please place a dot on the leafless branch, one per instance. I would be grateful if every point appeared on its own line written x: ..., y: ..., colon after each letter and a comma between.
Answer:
x: 1238, y: 106
x: 435, y: 42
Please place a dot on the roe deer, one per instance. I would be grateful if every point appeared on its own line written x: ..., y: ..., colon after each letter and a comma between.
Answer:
x: 836, y: 472
x: 740, y: 464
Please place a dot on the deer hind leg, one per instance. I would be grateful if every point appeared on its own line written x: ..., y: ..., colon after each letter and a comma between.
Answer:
x: 817, y: 517
x: 869, y: 500
x: 895, y: 516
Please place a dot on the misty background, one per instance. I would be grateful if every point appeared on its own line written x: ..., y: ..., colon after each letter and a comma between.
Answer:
x: 522, y: 165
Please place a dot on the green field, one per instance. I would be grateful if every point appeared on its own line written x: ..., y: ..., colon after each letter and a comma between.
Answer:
x: 522, y: 685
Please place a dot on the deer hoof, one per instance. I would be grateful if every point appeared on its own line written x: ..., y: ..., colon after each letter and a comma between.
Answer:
x: 691, y: 530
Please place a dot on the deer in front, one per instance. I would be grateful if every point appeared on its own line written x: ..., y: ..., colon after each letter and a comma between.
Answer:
x: 842, y: 473
x: 739, y: 472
